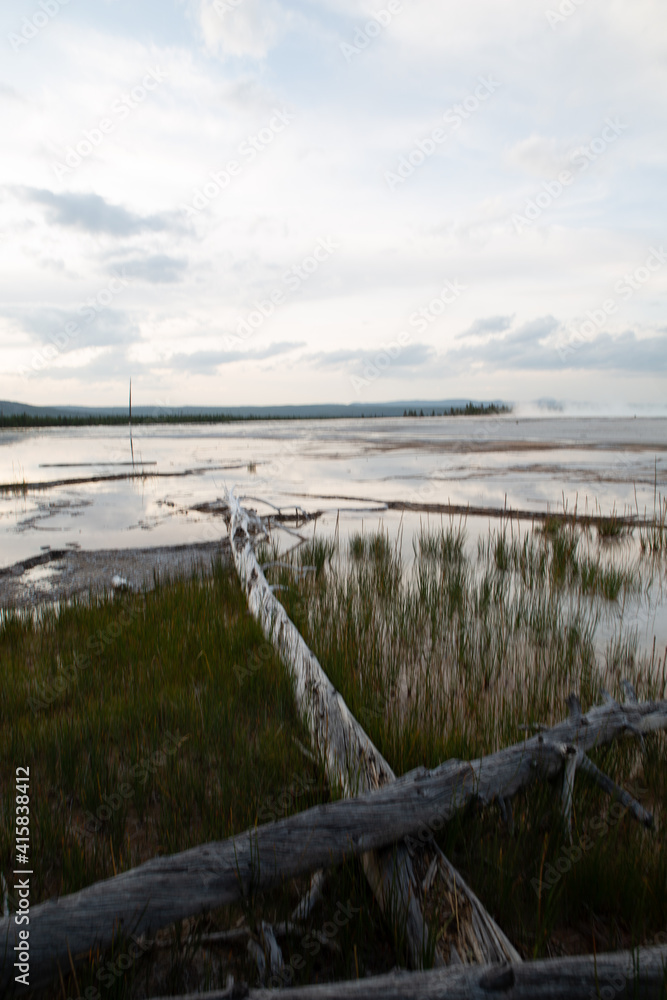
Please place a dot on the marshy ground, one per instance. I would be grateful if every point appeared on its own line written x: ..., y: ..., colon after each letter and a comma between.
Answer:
x: 155, y: 721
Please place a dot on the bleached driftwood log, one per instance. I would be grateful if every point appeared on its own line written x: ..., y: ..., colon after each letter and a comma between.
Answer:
x: 354, y: 762
x: 351, y: 759
x: 615, y: 975
x: 171, y: 888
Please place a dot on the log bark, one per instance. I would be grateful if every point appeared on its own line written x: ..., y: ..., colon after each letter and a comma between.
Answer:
x: 171, y: 888
x: 354, y: 762
x: 624, y: 974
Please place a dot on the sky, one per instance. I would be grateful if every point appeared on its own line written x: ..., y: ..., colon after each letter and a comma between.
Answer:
x: 238, y: 202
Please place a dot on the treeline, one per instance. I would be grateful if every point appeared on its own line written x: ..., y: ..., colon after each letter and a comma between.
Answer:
x: 117, y: 420
x: 469, y: 410
x: 27, y: 420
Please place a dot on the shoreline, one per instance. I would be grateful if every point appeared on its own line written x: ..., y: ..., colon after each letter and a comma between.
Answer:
x: 63, y: 574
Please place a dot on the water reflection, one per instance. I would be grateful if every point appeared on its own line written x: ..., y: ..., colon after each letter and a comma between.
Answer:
x: 348, y: 469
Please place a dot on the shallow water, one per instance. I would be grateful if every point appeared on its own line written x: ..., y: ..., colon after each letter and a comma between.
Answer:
x: 346, y: 468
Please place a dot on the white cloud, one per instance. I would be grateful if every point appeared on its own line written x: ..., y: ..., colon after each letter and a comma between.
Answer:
x: 240, y: 27
x: 195, y: 278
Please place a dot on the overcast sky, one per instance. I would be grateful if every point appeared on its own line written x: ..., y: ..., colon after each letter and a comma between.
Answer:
x: 273, y: 201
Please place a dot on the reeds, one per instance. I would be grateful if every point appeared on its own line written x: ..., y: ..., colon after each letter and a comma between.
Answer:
x: 459, y: 654
x: 447, y: 657
x: 653, y: 534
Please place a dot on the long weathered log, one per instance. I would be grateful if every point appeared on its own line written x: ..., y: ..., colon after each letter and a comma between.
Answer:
x: 171, y: 888
x: 351, y: 759
x: 354, y: 762
x: 640, y: 975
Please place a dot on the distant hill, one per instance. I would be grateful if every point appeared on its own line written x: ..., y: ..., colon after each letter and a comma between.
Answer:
x: 313, y: 411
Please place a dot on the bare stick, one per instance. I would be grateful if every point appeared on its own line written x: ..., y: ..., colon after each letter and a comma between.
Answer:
x: 568, y: 790
x: 586, y: 765
x: 312, y: 897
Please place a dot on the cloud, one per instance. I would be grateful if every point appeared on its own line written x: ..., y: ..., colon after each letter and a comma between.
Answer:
x: 158, y: 269
x: 114, y: 360
x: 93, y: 214
x: 534, y: 332
x: 107, y: 327
x: 491, y: 324
x: 411, y: 356
x: 626, y: 353
x: 240, y: 27
x: 228, y: 68
x: 9, y: 93
x: 111, y: 362
x: 535, y: 347
x: 526, y: 347
x: 205, y: 362
x: 538, y: 155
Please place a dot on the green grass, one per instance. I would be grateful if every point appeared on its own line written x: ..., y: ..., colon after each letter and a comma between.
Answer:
x: 183, y: 704
x: 612, y: 528
x: 653, y: 535
x: 156, y: 666
x: 449, y: 659
x: 167, y: 709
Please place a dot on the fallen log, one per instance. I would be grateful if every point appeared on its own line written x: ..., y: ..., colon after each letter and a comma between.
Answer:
x: 354, y: 763
x: 171, y: 888
x: 611, y: 976
x: 351, y: 759
x: 503, y: 513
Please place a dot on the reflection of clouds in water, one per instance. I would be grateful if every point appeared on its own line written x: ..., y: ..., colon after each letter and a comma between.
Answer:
x: 525, y: 462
